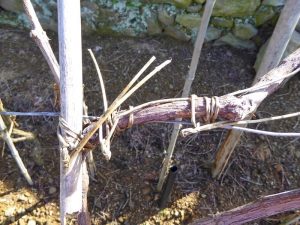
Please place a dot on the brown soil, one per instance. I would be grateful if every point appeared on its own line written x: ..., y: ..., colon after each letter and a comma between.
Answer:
x: 123, y: 191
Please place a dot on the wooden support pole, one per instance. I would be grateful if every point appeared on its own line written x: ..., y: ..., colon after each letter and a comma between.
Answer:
x: 41, y: 39
x: 263, y: 207
x: 281, y: 35
x: 280, y: 38
x: 72, y: 176
x: 209, y: 5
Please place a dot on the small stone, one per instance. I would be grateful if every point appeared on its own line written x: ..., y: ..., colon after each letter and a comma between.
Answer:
x: 203, y: 195
x: 164, y: 16
x: 156, y: 89
x: 31, y: 222
x: 21, y: 222
x: 191, y: 20
x: 121, y: 219
x: 235, y: 8
x: 50, y: 180
x: 263, y: 14
x: 146, y: 190
x: 52, y: 190
x: 235, y: 42
x: 176, y: 33
x: 148, y: 198
x: 199, y: 1
x: 273, y: 2
x: 212, y: 33
x: 11, y: 5
x: 224, y: 22
x: 12, y: 219
x: 297, y: 154
x: 182, y: 215
x: 194, y: 8
x: 21, y: 210
x: 176, y: 213
x: 244, y: 30
x: 177, y: 222
x: 22, y: 198
x: 182, y: 3
x: 156, y: 197
x: 153, y: 26
x: 229, y: 53
x: 9, y: 212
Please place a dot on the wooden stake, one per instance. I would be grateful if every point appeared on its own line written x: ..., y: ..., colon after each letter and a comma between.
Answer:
x: 70, y: 58
x: 187, y: 87
x: 281, y: 35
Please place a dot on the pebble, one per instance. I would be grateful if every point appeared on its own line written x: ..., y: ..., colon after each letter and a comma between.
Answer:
x: 21, y: 222
x: 21, y: 210
x: 297, y: 153
x: 146, y: 190
x: 22, y: 198
x: 9, y: 212
x: 177, y: 222
x: 176, y: 213
x: 121, y: 219
x: 52, y: 190
x: 31, y: 222
x: 148, y: 198
x: 50, y: 180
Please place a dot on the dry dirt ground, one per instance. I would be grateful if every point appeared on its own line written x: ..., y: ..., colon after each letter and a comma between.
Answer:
x: 123, y: 191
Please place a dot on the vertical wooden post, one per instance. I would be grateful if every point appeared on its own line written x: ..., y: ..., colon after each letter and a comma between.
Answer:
x: 70, y: 60
x: 281, y: 35
x: 209, y: 5
x: 280, y: 38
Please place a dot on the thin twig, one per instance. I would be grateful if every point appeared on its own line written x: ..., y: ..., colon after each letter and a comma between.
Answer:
x: 14, y: 151
x: 265, y: 84
x: 25, y: 134
x: 104, y: 142
x: 118, y: 101
x: 104, y: 98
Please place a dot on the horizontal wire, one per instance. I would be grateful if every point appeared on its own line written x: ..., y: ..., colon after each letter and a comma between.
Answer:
x: 269, y: 133
x: 56, y: 114
x: 50, y: 114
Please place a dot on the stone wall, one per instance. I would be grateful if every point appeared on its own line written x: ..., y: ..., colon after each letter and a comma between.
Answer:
x: 234, y: 22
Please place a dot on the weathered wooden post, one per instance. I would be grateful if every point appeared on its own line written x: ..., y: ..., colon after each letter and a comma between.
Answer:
x: 73, y: 172
x: 281, y: 35
x: 209, y: 5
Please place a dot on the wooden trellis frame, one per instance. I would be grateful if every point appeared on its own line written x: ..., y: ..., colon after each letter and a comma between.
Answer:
x: 232, y: 107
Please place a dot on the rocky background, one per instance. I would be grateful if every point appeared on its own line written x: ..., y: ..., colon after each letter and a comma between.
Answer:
x: 234, y: 22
